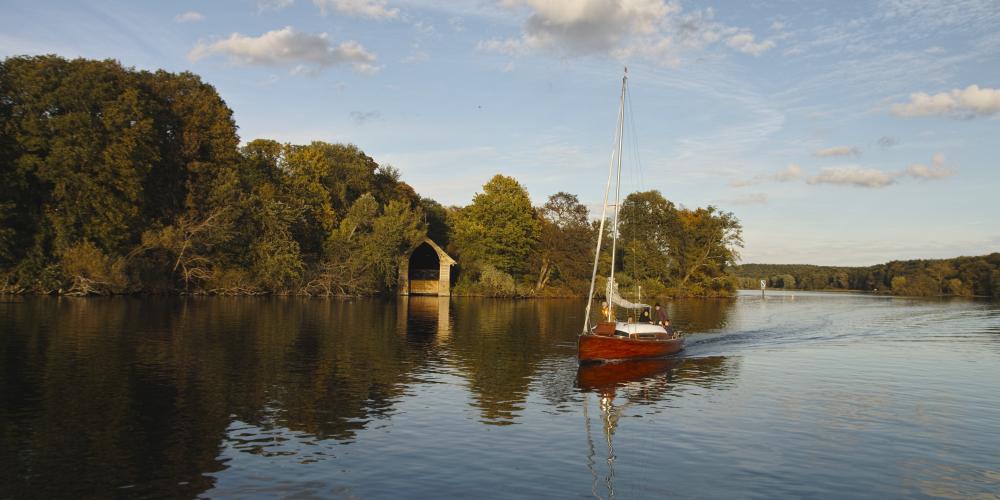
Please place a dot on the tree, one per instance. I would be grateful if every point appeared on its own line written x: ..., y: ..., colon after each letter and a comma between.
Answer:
x: 648, y: 229
x: 705, y: 244
x: 84, y: 146
x: 499, y: 228
x: 190, y: 243
x: 567, y: 236
x: 325, y: 179
x: 436, y: 217
x: 361, y: 256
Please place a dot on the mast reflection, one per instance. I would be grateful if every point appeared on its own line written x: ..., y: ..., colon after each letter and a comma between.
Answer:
x: 639, y: 382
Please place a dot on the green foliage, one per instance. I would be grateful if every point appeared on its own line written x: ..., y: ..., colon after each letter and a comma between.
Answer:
x: 361, y: 255
x: 649, y: 227
x: 188, y: 246
x: 499, y: 228
x: 675, y: 251
x: 496, y: 283
x: 567, y: 238
x: 436, y: 217
x: 96, y: 153
x: 961, y: 276
x: 92, y: 271
x: 274, y: 253
x: 117, y: 180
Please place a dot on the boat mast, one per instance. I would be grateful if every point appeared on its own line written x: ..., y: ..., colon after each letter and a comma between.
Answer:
x: 618, y: 188
x: 604, y: 208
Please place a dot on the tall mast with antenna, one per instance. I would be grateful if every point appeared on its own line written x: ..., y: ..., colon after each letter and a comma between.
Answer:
x: 618, y: 187
x: 604, y: 209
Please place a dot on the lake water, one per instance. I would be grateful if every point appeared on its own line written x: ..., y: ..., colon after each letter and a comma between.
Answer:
x: 792, y: 395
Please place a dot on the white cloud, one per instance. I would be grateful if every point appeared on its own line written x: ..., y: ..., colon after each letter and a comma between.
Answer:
x: 650, y: 29
x: 745, y: 43
x: 958, y: 103
x: 853, y: 176
x: 750, y: 199
x: 839, y: 151
x: 189, y: 17
x: 937, y: 169
x: 790, y: 173
x: 274, y: 5
x: 372, y: 9
x: 287, y: 47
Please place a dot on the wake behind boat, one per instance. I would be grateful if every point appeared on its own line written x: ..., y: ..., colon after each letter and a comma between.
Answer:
x: 611, y: 340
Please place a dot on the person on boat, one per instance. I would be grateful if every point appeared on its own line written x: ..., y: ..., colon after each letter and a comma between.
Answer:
x: 644, y: 317
x: 670, y: 330
x: 604, y: 311
x: 661, y: 315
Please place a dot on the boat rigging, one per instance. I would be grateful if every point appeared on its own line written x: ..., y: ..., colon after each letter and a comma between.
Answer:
x: 609, y: 339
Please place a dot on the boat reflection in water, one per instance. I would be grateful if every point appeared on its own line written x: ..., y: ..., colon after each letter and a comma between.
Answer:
x: 639, y: 382
x: 605, y: 377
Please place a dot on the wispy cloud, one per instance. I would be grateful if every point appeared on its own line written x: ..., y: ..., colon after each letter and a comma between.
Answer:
x: 287, y: 47
x: 362, y: 117
x: 886, y: 142
x: 745, y: 43
x: 372, y: 9
x: 272, y: 5
x: 749, y: 199
x: 189, y: 17
x: 966, y: 103
x: 838, y: 151
x: 853, y: 176
x: 792, y: 172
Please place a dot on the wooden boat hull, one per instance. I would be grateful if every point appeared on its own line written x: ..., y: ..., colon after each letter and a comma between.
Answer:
x: 594, y: 348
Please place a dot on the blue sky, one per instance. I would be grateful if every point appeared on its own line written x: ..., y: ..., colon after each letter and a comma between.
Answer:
x: 838, y: 132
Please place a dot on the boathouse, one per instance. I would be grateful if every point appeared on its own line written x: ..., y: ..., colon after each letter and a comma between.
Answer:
x: 425, y: 270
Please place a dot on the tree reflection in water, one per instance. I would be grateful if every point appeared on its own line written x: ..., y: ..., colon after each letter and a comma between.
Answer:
x: 155, y: 395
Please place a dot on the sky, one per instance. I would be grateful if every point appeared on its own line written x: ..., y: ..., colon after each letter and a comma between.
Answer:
x: 839, y: 133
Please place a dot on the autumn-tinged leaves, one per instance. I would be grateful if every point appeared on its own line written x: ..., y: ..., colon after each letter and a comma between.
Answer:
x: 116, y: 180
x: 119, y: 180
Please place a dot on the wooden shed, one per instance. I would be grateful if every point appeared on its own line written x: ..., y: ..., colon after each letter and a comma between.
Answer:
x: 425, y: 270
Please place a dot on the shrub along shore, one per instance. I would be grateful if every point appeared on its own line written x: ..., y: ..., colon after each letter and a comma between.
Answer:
x: 118, y: 181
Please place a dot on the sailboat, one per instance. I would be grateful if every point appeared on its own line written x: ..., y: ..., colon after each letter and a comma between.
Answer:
x: 609, y: 339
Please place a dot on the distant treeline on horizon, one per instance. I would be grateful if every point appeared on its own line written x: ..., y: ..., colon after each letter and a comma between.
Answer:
x: 122, y: 181
x: 959, y: 276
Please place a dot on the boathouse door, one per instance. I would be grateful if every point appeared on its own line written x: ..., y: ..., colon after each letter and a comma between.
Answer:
x: 425, y: 271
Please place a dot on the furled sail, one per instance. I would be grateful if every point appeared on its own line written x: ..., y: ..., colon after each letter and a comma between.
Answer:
x: 615, y: 298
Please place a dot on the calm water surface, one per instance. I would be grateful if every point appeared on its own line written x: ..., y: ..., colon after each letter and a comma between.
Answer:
x: 804, y: 395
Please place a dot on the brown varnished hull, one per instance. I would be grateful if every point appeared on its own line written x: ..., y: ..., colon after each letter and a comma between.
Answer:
x: 595, y: 376
x: 608, y: 348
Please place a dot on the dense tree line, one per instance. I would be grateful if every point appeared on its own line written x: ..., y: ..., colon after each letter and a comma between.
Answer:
x: 960, y: 276
x: 118, y: 180
x: 122, y: 181
x: 508, y: 248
